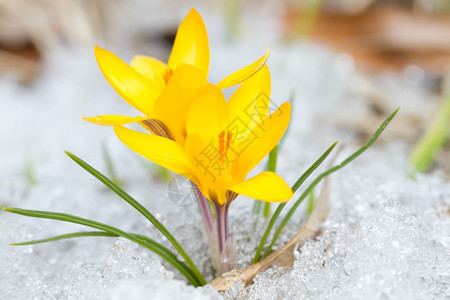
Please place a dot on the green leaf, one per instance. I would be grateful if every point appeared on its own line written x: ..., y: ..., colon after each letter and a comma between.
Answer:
x: 280, y: 207
x: 273, y: 158
x: 271, y: 166
x: 140, y: 208
x: 65, y: 236
x: 139, y: 239
x: 330, y: 171
x: 311, y: 200
x: 432, y: 141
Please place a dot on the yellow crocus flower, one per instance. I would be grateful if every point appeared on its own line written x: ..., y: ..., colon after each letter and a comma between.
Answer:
x: 224, y: 142
x: 161, y: 91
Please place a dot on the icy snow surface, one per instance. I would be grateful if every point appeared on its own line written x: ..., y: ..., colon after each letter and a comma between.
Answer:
x: 387, y: 236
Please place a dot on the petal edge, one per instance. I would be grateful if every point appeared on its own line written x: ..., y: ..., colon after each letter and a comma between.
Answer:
x: 266, y: 186
x: 244, y: 73
x: 160, y: 150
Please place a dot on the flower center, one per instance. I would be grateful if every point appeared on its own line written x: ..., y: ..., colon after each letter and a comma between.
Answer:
x: 224, y: 145
x: 167, y: 75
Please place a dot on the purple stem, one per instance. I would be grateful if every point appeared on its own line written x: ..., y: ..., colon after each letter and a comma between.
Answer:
x: 205, y: 209
x: 222, y: 225
x: 222, y: 252
x: 226, y: 251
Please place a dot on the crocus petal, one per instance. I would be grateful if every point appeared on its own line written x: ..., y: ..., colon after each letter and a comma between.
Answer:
x: 160, y: 150
x: 266, y: 186
x: 194, y: 147
x: 149, y: 67
x: 191, y: 43
x: 243, y: 73
x: 208, y: 168
x: 250, y: 102
x: 172, y: 105
x: 130, y: 84
x: 208, y: 114
x: 111, y: 120
x: 261, y: 140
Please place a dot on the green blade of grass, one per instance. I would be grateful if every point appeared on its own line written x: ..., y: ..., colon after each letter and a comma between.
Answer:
x: 311, y: 200
x: 313, y: 167
x: 273, y: 158
x: 266, y: 211
x: 140, y: 208
x: 294, y: 188
x: 143, y: 241
x: 432, y: 141
x: 271, y: 167
x: 65, y: 236
x: 310, y: 188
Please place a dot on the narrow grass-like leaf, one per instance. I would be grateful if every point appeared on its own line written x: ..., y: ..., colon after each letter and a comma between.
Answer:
x: 266, y: 212
x: 280, y: 207
x: 65, y: 236
x: 433, y: 140
x: 271, y: 166
x: 139, y: 207
x: 311, y: 200
x: 141, y: 240
x: 310, y: 188
x: 273, y: 158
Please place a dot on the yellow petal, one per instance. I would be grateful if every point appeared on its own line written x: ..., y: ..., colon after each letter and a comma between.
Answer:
x: 149, y: 67
x: 208, y: 168
x: 208, y: 114
x: 244, y: 73
x: 261, y: 140
x: 160, y: 150
x: 111, y: 120
x: 249, y: 104
x: 191, y: 43
x: 173, y: 104
x: 130, y: 84
x: 266, y: 186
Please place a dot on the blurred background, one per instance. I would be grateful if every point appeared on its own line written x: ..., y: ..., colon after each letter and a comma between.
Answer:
x: 378, y: 34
